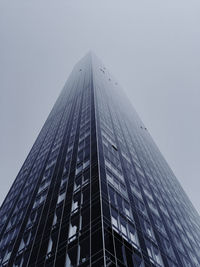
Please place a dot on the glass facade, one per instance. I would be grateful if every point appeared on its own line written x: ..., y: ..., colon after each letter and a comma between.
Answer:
x: 95, y: 190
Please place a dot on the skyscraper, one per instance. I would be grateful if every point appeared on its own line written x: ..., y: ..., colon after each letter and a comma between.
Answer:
x: 94, y: 189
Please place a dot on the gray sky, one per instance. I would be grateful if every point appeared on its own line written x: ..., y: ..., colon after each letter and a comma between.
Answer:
x: 151, y: 47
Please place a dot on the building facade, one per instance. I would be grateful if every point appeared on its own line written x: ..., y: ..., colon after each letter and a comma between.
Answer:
x: 95, y: 190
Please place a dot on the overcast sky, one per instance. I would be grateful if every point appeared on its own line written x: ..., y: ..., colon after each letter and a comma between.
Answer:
x: 151, y: 47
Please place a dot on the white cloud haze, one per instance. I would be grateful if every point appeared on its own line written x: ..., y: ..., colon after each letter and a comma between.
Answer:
x: 151, y: 47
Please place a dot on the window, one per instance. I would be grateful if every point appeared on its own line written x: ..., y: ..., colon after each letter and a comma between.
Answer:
x: 55, y: 218
x: 159, y: 224
x: 133, y: 235
x: 147, y: 228
x: 71, y: 258
x: 118, y: 201
x: 127, y: 209
x: 115, y: 218
x: 50, y: 245
x: 76, y: 201
x: 168, y: 248
x: 79, y: 168
x: 116, y: 179
x: 77, y: 182
x: 73, y: 228
x: 84, y: 250
x: 178, y: 243
x: 152, y: 206
x: 82, y: 165
x: 115, y: 148
x: 86, y: 164
x: 124, y: 230
x: 136, y: 190
x: 153, y: 253
x: 61, y: 198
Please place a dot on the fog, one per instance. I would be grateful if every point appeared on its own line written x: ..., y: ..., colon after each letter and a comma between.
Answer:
x: 151, y: 47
